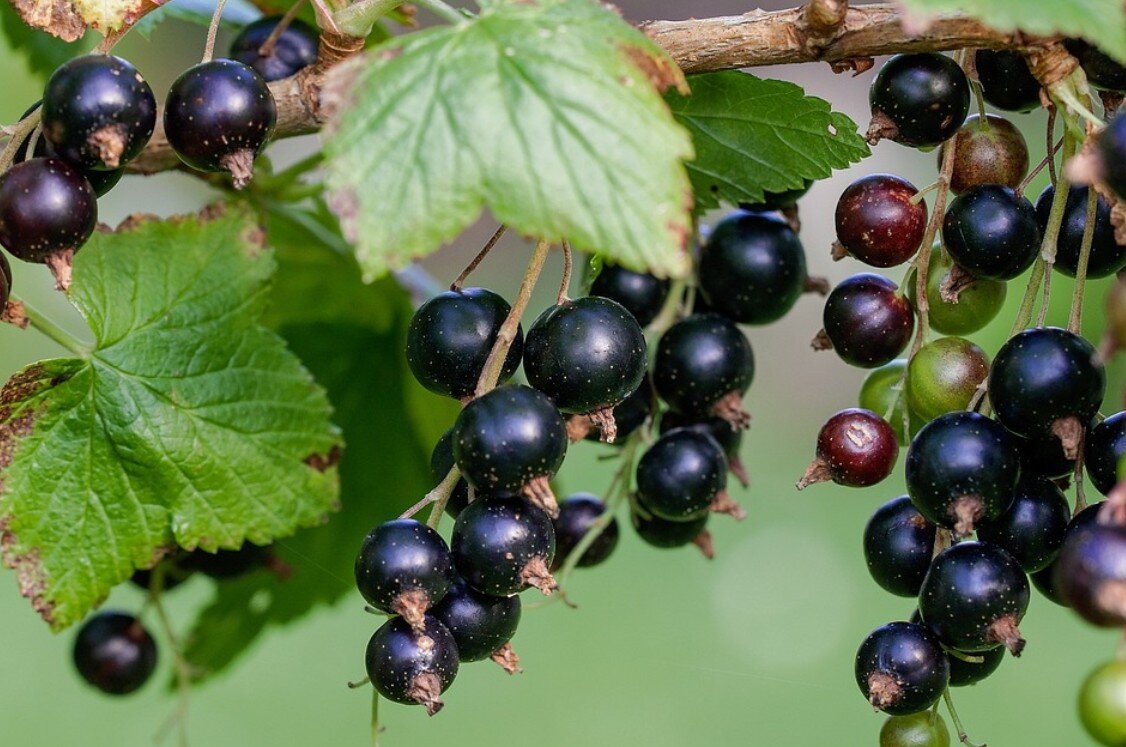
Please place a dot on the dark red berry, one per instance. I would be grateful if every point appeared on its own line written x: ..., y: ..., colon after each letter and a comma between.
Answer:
x: 664, y: 534
x: 642, y: 294
x: 294, y: 50
x: 481, y: 624
x: 412, y: 668
x: 1032, y: 529
x: 703, y: 366
x: 1091, y: 574
x: 502, y: 546
x: 1006, y: 81
x: 683, y: 476
x: 404, y: 568
x: 1103, y: 450
x: 918, y: 100
x: 578, y: 514
x: 988, y: 151
x: 878, y: 222
x: 901, y: 668
x: 898, y: 546
x: 991, y: 232
x: 855, y: 448
x: 114, y: 653
x: 867, y: 321
x: 1102, y: 70
x: 1107, y: 255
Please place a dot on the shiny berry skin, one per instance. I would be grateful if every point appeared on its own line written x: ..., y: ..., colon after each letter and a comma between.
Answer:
x: 703, y: 366
x: 629, y: 415
x: 1091, y: 574
x: 973, y: 598
x: 666, y: 535
x: 923, y: 97
x: 441, y: 462
x: 867, y: 321
x: 480, y: 623
x: 978, y: 304
x: 682, y: 475
x: 1006, y: 81
x: 992, y: 232
x: 988, y: 151
x: 502, y: 546
x: 1044, y: 456
x: 577, y: 514
x: 774, y: 201
x: 1044, y: 377
x: 876, y: 221
x: 586, y: 355
x: 1045, y: 580
x: 412, y: 668
x: 1107, y: 255
x: 898, y: 545
x: 901, y: 668
x: 1102, y: 704
x: 114, y: 653
x: 219, y: 116
x: 925, y: 729
x: 729, y: 439
x: 509, y: 437
x: 1110, y: 145
x: 882, y: 390
x: 944, y: 376
x: 855, y: 448
x: 1032, y: 529
x: 295, y: 49
x: 1103, y: 450
x: 961, y: 468
x: 752, y: 269
x: 964, y: 673
x: 642, y: 294
x: 1102, y: 70
x: 228, y: 564
x: 46, y: 207
x: 404, y: 568
x: 98, y: 112
x: 450, y: 337
x: 100, y: 181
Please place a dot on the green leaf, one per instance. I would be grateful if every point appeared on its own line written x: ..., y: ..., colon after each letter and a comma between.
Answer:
x: 1102, y: 22
x: 753, y: 136
x: 544, y: 111
x: 357, y: 355
x: 42, y: 51
x: 187, y: 424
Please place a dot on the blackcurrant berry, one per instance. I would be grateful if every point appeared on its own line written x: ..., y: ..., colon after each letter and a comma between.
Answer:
x: 901, y: 668
x: 228, y: 564
x: 1110, y: 146
x: 511, y: 439
x: 219, y: 116
x: 1045, y: 580
x: 1043, y: 455
x: 752, y: 269
x: 867, y: 321
x: 944, y: 376
x: 502, y: 546
x: 577, y: 515
x: 991, y: 232
x: 960, y: 304
x: 855, y: 448
x: 114, y: 653
x: 47, y: 212
x: 988, y: 150
x: 642, y: 294
x: 1107, y: 255
x: 98, y: 112
x: 404, y: 568
x: 1102, y: 70
x: 879, y: 221
x: 100, y: 181
x: 1006, y: 81
x: 412, y: 668
x: 481, y: 624
x: 586, y: 355
x: 1103, y: 451
x: 961, y: 468
x: 295, y: 49
x: 703, y: 366
x: 1091, y: 574
x: 629, y: 415
x: 898, y: 546
x: 683, y: 476
x: 974, y: 597
x: 450, y: 337
x: 775, y: 201
x: 918, y: 100
x: 1032, y: 529
x: 1102, y: 704
x: 964, y: 673
x: 728, y: 438
x: 924, y: 729
x: 665, y: 534
x: 1047, y: 380
x: 441, y: 461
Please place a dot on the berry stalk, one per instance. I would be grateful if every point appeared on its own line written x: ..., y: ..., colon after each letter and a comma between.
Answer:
x: 1075, y: 319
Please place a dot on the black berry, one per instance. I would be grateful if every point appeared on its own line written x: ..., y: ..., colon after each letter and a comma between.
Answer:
x: 855, y: 448
x: 629, y: 415
x: 577, y: 516
x: 404, y: 568
x: 1107, y: 255
x: 114, y: 653
x: 412, y: 668
x: 1110, y: 147
x: 1043, y: 455
x: 1102, y: 70
x: 100, y: 181
x: 729, y: 439
x: 502, y: 546
x: 1045, y: 580
x: 901, y: 668
x: 703, y: 366
x: 878, y: 222
x: 1091, y: 574
x: 1103, y: 451
x: 1032, y: 529
x: 642, y: 294
x: 664, y: 534
x: 964, y: 673
x: 867, y: 321
x: 683, y: 476
x: 1006, y: 81
x: 898, y: 545
x: 481, y: 624
x: 295, y: 49
x: 991, y: 232
x: 918, y: 100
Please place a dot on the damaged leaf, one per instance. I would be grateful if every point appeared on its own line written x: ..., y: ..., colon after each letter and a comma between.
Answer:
x: 69, y: 19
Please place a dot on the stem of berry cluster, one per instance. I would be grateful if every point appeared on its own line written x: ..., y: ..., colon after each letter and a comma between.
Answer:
x: 179, y: 717
x: 18, y: 134
x: 963, y: 737
x: 375, y: 728
x: 213, y: 31
x: 923, y: 258
x: 267, y: 48
x: 478, y: 259
x: 1075, y: 318
x: 670, y: 312
x: 568, y: 268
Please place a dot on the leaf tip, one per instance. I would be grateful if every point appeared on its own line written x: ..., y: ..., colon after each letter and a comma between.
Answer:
x: 661, y: 70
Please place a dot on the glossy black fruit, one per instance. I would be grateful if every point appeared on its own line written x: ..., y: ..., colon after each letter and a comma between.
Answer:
x: 404, y: 568
x: 629, y: 415
x: 752, y: 269
x: 683, y: 476
x: 855, y: 448
x: 1102, y: 70
x: 98, y: 112
x: 991, y: 232
x: 47, y: 211
x: 961, y: 468
x: 441, y: 461
x: 1091, y: 574
x: 1107, y: 255
x: 412, y: 668
x: 450, y: 336
x: 219, y: 116
x: 502, y: 546
x: 1045, y: 580
x: 1110, y: 145
x: 703, y: 367
x: 974, y: 597
x: 898, y: 546
x: 901, y: 668
x: 665, y: 534
x: 1044, y: 456
x: 100, y: 181
x: 578, y: 514
x: 878, y: 221
x: 295, y: 49
x: 1103, y: 451
x: 480, y: 623
x: 866, y: 320
x: 642, y: 294
x: 227, y: 564
x: 586, y: 355
x: 729, y: 439
x: 1006, y: 81
x: 114, y: 653
x: 1032, y: 529
x: 964, y: 673
x: 988, y: 150
x: 919, y: 99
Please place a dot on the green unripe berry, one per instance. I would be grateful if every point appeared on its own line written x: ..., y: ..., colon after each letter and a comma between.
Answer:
x: 926, y: 729
x: 944, y: 375
x: 1102, y: 704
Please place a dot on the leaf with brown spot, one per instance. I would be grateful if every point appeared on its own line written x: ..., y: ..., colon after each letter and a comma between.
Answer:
x: 69, y: 19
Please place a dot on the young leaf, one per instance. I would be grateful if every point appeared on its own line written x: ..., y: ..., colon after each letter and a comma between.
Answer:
x: 753, y: 136
x: 187, y: 424
x: 544, y: 111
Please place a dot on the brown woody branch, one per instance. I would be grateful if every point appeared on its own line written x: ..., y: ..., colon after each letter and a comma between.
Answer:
x: 726, y: 43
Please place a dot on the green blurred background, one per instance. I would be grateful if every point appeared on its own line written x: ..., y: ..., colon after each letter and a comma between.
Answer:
x: 666, y: 647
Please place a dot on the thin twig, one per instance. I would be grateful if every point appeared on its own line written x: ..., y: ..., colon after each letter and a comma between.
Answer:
x: 1048, y: 159
x: 963, y: 737
x: 183, y: 668
x: 1075, y: 319
x: 565, y: 281
x: 19, y: 133
x: 1051, y: 129
x: 267, y: 48
x: 477, y: 260
x: 213, y: 31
